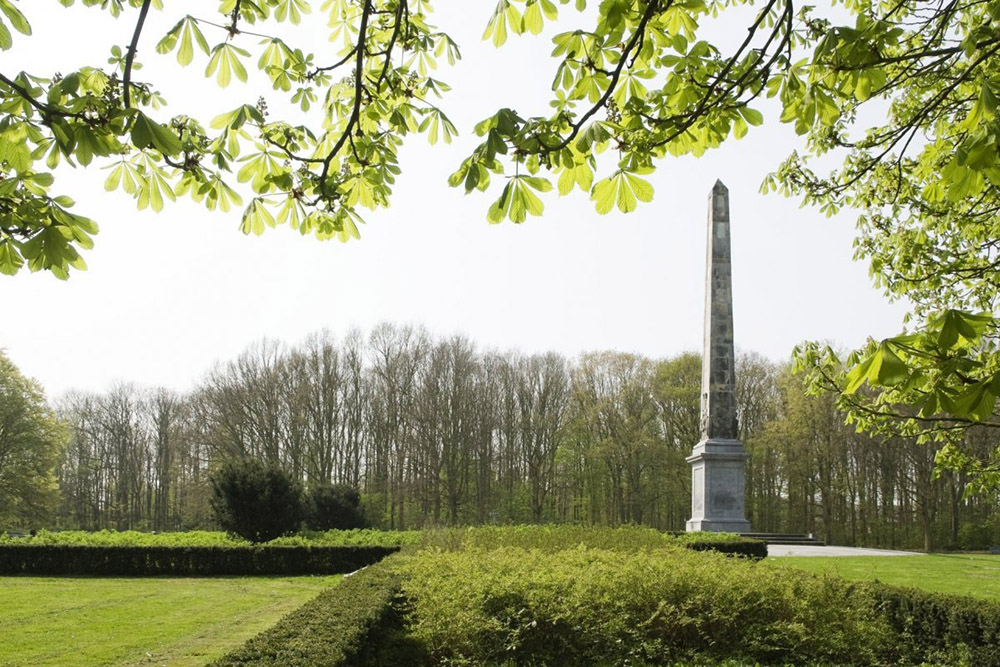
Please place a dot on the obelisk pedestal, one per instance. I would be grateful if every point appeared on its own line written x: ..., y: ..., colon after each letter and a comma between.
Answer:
x: 718, y: 460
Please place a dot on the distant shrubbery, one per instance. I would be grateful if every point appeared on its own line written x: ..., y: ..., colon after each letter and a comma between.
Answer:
x: 126, y: 538
x: 559, y: 537
x: 334, y: 507
x: 260, y: 502
x: 256, y: 500
x: 131, y: 538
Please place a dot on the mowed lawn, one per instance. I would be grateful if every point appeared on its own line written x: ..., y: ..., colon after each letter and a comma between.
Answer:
x: 140, y: 621
x: 959, y: 574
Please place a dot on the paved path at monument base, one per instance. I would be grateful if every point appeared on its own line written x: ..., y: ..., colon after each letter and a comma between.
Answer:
x: 802, y: 550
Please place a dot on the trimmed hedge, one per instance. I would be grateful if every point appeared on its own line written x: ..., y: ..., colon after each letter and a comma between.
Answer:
x: 353, y: 623
x: 199, y: 561
x: 583, y: 606
x: 948, y: 629
x: 203, y: 538
x: 556, y: 537
x: 748, y: 548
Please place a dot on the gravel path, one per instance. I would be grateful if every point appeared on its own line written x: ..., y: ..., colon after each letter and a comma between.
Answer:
x: 797, y: 550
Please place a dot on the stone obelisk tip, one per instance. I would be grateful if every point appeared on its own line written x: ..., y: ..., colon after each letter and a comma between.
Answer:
x: 719, y: 186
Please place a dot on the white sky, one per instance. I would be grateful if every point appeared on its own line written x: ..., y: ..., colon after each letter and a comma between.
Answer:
x: 167, y: 295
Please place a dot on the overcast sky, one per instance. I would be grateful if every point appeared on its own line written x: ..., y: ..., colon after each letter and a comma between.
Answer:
x: 167, y: 295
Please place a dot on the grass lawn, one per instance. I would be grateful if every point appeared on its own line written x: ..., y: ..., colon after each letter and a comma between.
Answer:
x: 960, y: 574
x: 140, y: 621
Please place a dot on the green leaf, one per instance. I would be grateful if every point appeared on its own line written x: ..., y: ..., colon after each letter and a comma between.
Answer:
x: 604, y: 194
x: 5, y: 39
x: 226, y: 61
x: 15, y: 17
x: 624, y: 189
x: 857, y: 375
x: 236, y: 118
x: 976, y: 401
x: 517, y: 200
x: 533, y: 21
x: 888, y: 369
x: 503, y: 15
x: 956, y: 325
x: 10, y: 259
x: 752, y: 116
x: 147, y: 133
x: 642, y: 188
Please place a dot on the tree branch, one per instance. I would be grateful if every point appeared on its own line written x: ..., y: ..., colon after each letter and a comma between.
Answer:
x: 359, y: 87
x: 45, y: 109
x: 640, y: 30
x: 130, y: 56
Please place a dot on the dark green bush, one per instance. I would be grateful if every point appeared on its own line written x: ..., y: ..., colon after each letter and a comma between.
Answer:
x: 335, y: 507
x: 199, y: 561
x: 257, y: 501
x: 951, y: 629
x: 742, y: 546
x: 353, y: 623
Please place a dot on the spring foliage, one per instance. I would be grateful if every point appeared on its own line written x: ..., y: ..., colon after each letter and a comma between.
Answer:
x: 640, y: 82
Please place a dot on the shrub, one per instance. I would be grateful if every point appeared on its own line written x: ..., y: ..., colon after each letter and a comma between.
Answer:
x: 950, y: 628
x: 127, y: 538
x: 344, y: 625
x: 199, y: 561
x: 557, y: 537
x: 203, y: 538
x: 256, y: 500
x: 360, y: 537
x: 740, y: 546
x: 597, y: 606
x: 335, y: 507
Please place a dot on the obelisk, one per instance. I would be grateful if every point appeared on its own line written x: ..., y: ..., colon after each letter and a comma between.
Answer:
x: 718, y: 460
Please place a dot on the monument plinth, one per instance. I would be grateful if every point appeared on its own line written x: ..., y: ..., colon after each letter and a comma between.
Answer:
x: 718, y: 460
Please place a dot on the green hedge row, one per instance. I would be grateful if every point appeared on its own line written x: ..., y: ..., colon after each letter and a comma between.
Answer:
x: 199, y: 561
x: 205, y: 538
x: 946, y: 629
x: 748, y: 548
x: 353, y: 623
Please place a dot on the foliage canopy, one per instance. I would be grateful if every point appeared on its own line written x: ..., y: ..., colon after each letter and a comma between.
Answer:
x: 642, y: 81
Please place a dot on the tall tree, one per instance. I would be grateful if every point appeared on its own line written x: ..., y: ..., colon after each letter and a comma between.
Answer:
x: 31, y: 441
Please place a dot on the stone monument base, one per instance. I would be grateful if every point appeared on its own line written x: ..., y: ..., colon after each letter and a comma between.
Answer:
x: 717, y: 486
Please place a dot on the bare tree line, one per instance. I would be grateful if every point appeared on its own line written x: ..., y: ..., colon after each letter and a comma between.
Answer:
x: 435, y: 431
